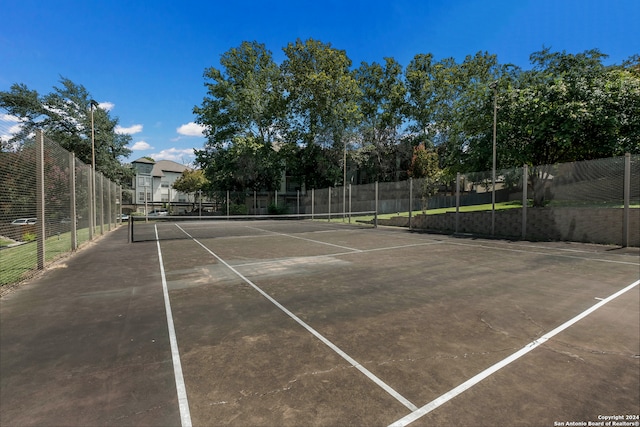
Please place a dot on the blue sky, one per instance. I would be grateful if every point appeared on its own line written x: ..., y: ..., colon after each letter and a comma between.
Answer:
x: 145, y: 59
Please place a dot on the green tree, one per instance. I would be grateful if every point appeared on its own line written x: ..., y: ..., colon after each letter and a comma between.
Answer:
x: 569, y: 107
x: 65, y: 117
x: 425, y: 166
x: 243, y: 115
x: 321, y: 100
x: 382, y: 100
x: 191, y: 182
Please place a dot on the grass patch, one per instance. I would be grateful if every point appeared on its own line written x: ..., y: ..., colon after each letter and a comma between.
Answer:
x: 5, y: 242
x: 20, y: 260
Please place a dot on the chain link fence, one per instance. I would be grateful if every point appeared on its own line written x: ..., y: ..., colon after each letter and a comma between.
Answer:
x: 49, y: 205
x: 594, y: 201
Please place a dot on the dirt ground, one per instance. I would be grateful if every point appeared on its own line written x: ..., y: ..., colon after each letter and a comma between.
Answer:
x: 88, y: 343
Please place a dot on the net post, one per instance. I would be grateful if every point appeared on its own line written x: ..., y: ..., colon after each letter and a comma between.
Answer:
x: 40, y: 201
x: 255, y: 202
x: 227, y: 203
x: 627, y: 197
x: 298, y: 202
x: 525, y: 186
x: 313, y: 195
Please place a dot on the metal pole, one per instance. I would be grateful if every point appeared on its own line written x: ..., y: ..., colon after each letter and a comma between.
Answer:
x: 525, y: 187
x: 375, y: 215
x: 349, y: 203
x: 627, y: 197
x: 40, y: 200
x: 72, y: 204
x: 146, y: 210
x: 494, y: 86
x: 344, y: 180
x: 457, y: 201
x: 93, y: 167
x: 298, y: 202
x: 410, y: 201
x: 313, y: 203
x: 329, y: 216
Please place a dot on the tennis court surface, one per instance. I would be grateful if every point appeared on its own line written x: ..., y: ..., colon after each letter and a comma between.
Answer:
x: 274, y: 323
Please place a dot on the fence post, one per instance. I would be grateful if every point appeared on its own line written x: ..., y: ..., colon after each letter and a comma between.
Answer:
x: 375, y: 215
x: 525, y: 199
x: 410, y: 201
x: 329, y: 211
x: 101, y: 204
x: 227, y: 202
x: 40, y: 224
x: 109, y: 205
x: 72, y: 203
x: 627, y: 197
x: 313, y: 195
x: 92, y: 216
x: 457, y: 202
x: 349, y: 203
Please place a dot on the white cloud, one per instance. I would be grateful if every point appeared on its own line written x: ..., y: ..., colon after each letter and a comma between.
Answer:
x: 107, y: 106
x: 140, y: 146
x: 191, y: 129
x: 129, y: 131
x: 9, y: 118
x: 180, y: 155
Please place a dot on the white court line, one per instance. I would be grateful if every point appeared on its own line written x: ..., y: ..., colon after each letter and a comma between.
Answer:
x: 308, y: 240
x: 484, y: 374
x: 336, y: 254
x: 183, y: 403
x: 315, y: 333
x: 545, y: 253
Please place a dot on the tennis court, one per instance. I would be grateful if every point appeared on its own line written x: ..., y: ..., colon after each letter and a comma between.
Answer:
x: 317, y: 323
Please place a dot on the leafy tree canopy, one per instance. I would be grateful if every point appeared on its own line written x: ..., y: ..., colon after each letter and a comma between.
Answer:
x: 65, y: 117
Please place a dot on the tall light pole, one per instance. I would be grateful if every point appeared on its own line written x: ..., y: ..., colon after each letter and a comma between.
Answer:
x: 494, y: 86
x: 92, y: 220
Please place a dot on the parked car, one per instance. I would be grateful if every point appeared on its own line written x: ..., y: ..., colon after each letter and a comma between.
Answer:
x: 123, y: 217
x: 24, y: 221
x: 159, y: 212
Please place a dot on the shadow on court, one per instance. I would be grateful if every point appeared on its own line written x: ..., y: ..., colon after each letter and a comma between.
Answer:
x: 328, y: 327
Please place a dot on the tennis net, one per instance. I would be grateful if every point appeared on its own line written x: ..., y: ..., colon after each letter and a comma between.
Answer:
x: 168, y: 227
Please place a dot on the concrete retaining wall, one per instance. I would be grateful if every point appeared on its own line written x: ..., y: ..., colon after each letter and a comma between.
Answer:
x: 591, y: 225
